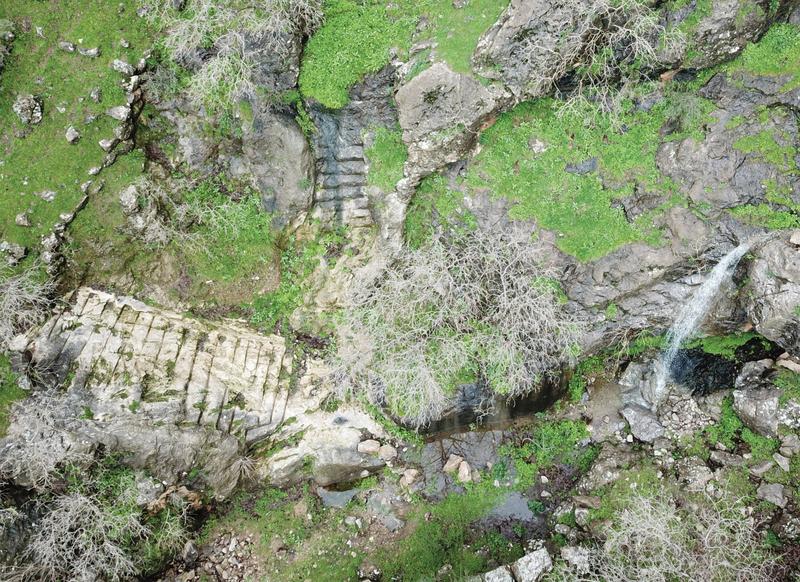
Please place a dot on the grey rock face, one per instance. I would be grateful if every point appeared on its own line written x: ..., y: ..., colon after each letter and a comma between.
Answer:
x: 28, y: 108
x: 440, y: 114
x: 528, y: 39
x: 13, y: 252
x: 123, y: 67
x: 775, y: 282
x: 277, y: 156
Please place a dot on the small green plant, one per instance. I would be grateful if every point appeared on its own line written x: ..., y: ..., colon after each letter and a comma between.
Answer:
x: 724, y: 345
x: 386, y: 156
x: 728, y: 427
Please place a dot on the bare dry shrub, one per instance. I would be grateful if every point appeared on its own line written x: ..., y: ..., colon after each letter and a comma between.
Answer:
x: 654, y: 541
x: 81, y: 538
x: 480, y: 306
x: 613, y: 43
x: 24, y: 302
x: 36, y: 444
x: 235, y: 33
x: 156, y: 217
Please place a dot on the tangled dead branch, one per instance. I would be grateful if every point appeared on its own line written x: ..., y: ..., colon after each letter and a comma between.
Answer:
x: 24, y: 302
x: 482, y: 306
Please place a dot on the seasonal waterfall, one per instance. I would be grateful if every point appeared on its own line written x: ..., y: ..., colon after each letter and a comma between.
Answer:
x: 691, y: 317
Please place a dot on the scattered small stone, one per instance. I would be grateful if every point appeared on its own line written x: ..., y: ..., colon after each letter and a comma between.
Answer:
x: 120, y: 112
x: 39, y: 32
x: 72, y: 135
x: 124, y: 43
x: 544, y: 479
x: 773, y: 493
x: 22, y: 219
x: 387, y: 453
x: 123, y: 67
x: 96, y: 95
x: 726, y: 459
x: 500, y: 574
x: 89, y: 119
x: 92, y: 53
x: 582, y: 516
x: 782, y: 461
x: 108, y: 144
x: 790, y: 365
x: 46, y: 195
x: 464, y: 472
x: 28, y: 108
x: 369, y: 447
x: 545, y: 494
x: 452, y: 464
x: 93, y: 171
x: 66, y: 46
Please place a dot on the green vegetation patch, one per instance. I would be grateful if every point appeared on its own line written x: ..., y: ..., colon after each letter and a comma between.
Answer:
x: 434, y: 205
x: 723, y: 345
x: 38, y: 158
x: 387, y: 155
x: 354, y: 41
x: 527, y: 153
x: 545, y: 445
x: 10, y: 392
x: 358, y: 37
x: 442, y: 534
x: 777, y: 54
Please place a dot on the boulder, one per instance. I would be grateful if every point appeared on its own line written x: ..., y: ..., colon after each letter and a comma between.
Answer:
x: 644, y: 423
x: 500, y: 574
x: 758, y: 409
x: 576, y: 557
x: 72, y: 135
x: 773, y: 493
x: 28, y: 108
x: 441, y: 113
x: 533, y: 566
x: 775, y: 283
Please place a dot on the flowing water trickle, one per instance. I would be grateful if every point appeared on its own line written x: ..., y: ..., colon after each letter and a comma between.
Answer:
x: 691, y: 318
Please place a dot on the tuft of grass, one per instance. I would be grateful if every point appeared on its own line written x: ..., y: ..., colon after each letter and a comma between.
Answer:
x: 10, y: 392
x: 441, y: 536
x: 789, y: 382
x: 386, y: 158
x: 297, y: 262
x: 579, y: 379
x: 728, y: 427
x: 434, y: 205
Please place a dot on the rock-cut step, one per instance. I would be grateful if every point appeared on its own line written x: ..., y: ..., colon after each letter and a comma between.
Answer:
x: 129, y: 356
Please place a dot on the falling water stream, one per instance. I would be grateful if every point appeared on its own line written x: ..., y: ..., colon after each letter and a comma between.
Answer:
x: 691, y: 317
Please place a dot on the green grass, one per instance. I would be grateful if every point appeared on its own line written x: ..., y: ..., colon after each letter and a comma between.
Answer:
x: 43, y: 160
x: 580, y: 375
x: 357, y: 39
x: 442, y: 534
x: 298, y: 260
x: 789, y: 382
x: 354, y: 41
x: 577, y: 207
x: 386, y: 157
x: 457, y: 30
x: 728, y: 427
x: 238, y: 239
x: 723, y: 345
x: 10, y: 393
x: 776, y: 54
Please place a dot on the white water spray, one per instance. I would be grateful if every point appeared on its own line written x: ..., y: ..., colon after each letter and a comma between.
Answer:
x: 690, y: 318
